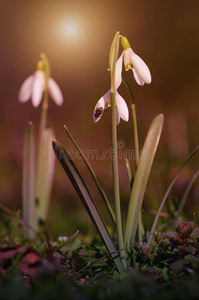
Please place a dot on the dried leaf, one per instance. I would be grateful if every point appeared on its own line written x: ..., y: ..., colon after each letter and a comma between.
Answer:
x: 33, y: 264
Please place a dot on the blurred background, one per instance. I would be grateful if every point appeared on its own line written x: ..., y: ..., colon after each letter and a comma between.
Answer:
x: 76, y: 37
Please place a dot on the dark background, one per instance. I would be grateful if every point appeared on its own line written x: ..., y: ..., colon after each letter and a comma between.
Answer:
x: 164, y: 33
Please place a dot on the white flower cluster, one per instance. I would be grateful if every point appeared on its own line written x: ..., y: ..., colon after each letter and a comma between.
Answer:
x: 34, y: 86
x: 141, y: 74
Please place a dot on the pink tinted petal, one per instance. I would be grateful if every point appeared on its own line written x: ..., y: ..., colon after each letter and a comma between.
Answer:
x: 38, y: 88
x: 127, y: 60
x: 55, y: 91
x: 99, y: 108
x: 26, y: 89
x: 142, y: 72
x: 118, y: 72
x: 122, y: 107
x: 117, y: 117
x: 138, y: 78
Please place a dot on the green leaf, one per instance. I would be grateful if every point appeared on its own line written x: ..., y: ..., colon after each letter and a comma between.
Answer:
x: 129, y: 172
x: 114, y: 52
x: 29, y: 178
x: 101, y: 191
x: 141, y: 178
x: 167, y: 193
x: 45, y: 174
x: 84, y: 194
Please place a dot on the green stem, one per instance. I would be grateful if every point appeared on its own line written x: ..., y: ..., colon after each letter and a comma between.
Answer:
x: 135, y: 130
x: 140, y: 227
x: 44, y: 101
x: 43, y: 123
x: 116, y: 174
x: 113, y: 58
x: 136, y: 145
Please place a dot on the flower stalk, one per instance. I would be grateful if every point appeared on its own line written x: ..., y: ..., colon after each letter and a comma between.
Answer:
x: 135, y: 128
x: 112, y: 62
x: 38, y: 87
x: 45, y: 164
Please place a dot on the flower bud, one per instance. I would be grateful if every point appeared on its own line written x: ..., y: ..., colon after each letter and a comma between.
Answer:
x: 125, y: 43
x: 40, y: 65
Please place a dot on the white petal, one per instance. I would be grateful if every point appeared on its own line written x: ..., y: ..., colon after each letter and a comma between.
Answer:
x: 138, y: 78
x: 99, y: 107
x: 38, y: 88
x: 117, y: 116
x: 122, y: 107
x: 26, y: 89
x: 127, y: 62
x: 141, y: 72
x: 118, y: 72
x: 55, y: 91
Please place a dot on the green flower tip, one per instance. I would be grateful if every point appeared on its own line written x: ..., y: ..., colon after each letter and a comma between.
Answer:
x: 46, y: 64
x: 125, y: 43
x: 40, y: 65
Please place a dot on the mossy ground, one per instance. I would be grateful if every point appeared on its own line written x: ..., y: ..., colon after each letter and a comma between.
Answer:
x: 75, y: 268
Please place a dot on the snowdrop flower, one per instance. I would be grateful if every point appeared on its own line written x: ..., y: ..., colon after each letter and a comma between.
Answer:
x: 105, y: 101
x: 62, y: 238
x: 34, y: 86
x: 132, y: 61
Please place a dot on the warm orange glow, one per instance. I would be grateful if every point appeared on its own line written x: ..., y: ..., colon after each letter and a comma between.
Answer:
x: 70, y: 29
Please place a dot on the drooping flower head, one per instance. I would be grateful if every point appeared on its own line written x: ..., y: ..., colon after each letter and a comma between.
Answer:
x: 105, y: 101
x: 34, y: 86
x: 132, y: 61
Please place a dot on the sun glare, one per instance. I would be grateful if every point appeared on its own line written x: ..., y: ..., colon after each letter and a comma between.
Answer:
x: 70, y: 30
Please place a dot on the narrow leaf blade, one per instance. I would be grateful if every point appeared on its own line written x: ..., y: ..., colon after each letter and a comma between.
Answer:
x: 84, y: 194
x: 29, y: 178
x: 45, y: 176
x: 141, y: 177
x: 167, y: 193
x: 184, y: 198
x: 100, y: 189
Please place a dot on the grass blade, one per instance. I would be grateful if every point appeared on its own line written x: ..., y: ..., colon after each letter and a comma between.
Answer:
x: 29, y: 178
x: 184, y: 198
x: 102, y: 193
x: 167, y: 193
x: 141, y: 178
x: 84, y: 194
